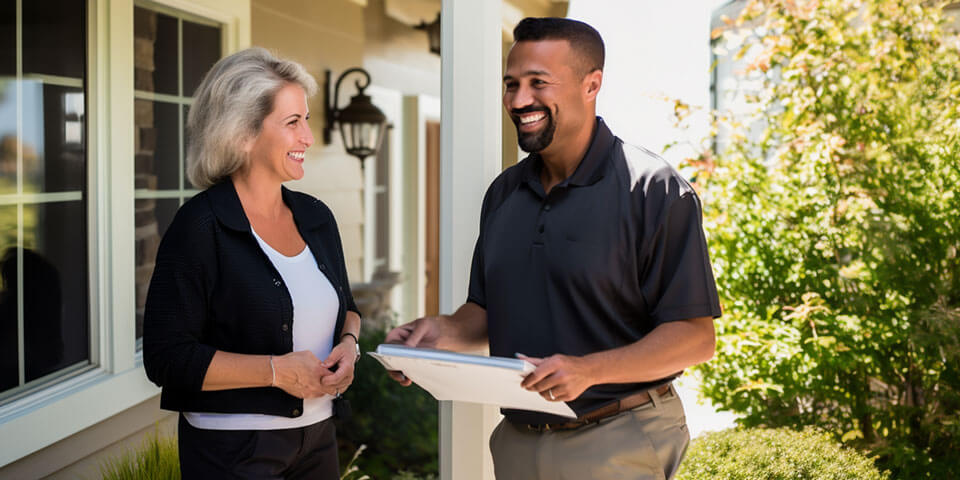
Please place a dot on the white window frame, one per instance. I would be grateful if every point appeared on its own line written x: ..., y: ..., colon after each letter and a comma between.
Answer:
x: 390, y: 101
x: 116, y: 380
x: 20, y: 199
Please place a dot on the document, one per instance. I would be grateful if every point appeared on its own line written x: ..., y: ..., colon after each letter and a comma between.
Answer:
x: 469, y: 378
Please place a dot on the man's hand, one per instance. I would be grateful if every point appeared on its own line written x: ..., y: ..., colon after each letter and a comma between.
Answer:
x: 300, y: 374
x: 344, y: 356
x: 422, y: 332
x: 560, y: 378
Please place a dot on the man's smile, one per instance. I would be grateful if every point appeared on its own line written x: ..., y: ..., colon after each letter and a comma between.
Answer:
x: 532, y: 121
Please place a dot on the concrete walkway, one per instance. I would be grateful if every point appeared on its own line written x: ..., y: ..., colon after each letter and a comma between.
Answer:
x: 701, y: 414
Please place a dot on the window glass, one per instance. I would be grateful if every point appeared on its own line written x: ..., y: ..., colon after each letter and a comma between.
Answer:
x: 172, y: 54
x: 54, y: 40
x: 8, y: 38
x: 158, y: 145
x: 153, y: 216
x: 204, y: 51
x: 56, y: 330
x: 44, y: 264
x: 8, y: 135
x: 155, y: 52
x: 9, y: 349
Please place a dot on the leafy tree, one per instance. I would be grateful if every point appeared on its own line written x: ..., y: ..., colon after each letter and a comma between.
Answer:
x: 833, y: 219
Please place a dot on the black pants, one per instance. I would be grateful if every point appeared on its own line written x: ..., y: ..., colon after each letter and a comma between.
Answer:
x: 307, y: 452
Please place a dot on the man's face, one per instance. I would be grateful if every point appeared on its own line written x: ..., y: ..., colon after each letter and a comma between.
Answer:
x: 542, y: 93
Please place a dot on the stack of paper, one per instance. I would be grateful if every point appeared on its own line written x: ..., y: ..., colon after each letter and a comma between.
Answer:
x: 469, y: 378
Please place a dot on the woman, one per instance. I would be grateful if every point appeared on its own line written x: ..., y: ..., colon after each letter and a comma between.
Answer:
x: 250, y: 327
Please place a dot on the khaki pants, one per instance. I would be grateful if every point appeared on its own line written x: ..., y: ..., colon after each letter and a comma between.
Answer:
x: 647, y: 442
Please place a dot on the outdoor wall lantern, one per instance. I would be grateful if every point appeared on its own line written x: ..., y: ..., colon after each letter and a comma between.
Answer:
x: 362, y: 124
x: 433, y: 33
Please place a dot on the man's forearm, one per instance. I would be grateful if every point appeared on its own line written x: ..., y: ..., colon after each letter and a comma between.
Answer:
x: 668, y: 349
x: 465, y: 330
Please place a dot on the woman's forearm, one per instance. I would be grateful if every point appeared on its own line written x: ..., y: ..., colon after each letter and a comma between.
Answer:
x: 351, y: 325
x: 236, y: 370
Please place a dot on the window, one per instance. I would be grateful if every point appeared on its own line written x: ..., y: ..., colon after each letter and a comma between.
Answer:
x: 729, y: 89
x: 166, y: 75
x: 44, y: 269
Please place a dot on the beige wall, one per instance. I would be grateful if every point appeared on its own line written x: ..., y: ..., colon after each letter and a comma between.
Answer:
x: 322, y: 34
x: 397, y: 56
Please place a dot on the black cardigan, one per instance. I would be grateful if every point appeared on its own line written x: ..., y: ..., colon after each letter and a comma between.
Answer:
x: 213, y: 288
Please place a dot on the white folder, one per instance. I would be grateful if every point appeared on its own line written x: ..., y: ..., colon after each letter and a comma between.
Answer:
x: 468, y: 378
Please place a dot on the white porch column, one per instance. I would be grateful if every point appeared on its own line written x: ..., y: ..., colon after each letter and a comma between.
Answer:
x: 469, y: 161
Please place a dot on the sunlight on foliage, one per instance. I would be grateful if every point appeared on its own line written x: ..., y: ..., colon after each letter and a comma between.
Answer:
x: 773, y: 454
x: 834, y: 226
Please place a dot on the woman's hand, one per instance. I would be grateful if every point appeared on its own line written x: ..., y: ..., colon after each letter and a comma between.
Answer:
x: 301, y: 374
x: 344, y: 356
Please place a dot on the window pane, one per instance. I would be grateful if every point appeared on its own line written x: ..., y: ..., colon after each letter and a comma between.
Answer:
x: 158, y: 145
x: 201, y: 51
x: 54, y: 155
x: 9, y: 353
x: 152, y: 219
x: 186, y: 139
x: 8, y: 38
x: 155, y: 52
x: 8, y: 136
x: 44, y: 286
x: 55, y: 309
x: 54, y: 38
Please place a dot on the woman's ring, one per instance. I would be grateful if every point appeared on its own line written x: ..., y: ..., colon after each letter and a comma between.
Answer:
x: 550, y: 391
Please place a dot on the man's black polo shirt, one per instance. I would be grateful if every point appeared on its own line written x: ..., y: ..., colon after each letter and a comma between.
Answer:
x: 612, y: 252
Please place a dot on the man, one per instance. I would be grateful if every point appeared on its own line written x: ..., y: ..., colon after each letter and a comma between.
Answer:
x: 591, y: 263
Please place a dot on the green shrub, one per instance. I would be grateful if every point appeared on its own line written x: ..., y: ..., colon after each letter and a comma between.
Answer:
x: 155, y: 459
x: 834, y: 227
x: 405, y: 475
x: 399, y: 425
x: 773, y: 454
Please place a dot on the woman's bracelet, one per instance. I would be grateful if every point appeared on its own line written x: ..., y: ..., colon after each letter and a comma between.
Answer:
x: 273, y: 373
x: 348, y: 334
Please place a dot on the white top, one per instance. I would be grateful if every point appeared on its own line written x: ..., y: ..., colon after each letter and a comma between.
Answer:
x: 315, y: 308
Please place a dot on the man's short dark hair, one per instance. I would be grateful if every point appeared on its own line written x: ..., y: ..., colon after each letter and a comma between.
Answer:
x: 583, y: 39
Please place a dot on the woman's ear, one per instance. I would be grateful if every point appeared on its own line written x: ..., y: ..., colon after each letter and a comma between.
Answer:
x: 247, y: 145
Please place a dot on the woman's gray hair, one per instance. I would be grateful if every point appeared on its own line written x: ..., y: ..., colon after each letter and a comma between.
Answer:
x: 229, y: 107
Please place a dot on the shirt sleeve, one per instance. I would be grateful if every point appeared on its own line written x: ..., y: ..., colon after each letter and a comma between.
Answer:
x: 678, y: 282
x: 175, y: 314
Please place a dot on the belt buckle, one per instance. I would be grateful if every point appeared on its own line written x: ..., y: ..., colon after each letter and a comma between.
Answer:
x: 539, y: 428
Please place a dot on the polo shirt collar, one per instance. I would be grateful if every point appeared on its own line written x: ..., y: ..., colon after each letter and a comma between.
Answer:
x: 591, y: 168
x: 229, y: 211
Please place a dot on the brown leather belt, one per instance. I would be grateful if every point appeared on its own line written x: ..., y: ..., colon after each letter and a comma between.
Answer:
x: 616, y: 407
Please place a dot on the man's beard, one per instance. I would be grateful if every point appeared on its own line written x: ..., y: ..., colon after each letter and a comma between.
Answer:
x: 533, y: 142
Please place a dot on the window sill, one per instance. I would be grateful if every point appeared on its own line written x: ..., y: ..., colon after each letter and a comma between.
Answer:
x: 52, y: 414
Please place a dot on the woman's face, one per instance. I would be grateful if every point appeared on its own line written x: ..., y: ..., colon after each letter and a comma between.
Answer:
x: 284, y: 136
